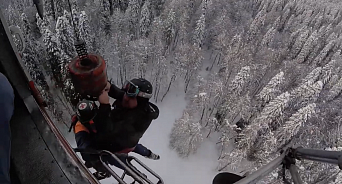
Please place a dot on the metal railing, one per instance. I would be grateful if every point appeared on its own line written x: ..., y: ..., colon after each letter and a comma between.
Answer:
x: 288, y: 160
x: 128, y: 167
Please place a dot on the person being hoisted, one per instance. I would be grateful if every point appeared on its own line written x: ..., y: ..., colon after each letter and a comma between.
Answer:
x: 117, y: 130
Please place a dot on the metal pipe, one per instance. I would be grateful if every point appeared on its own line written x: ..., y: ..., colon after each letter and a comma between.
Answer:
x: 300, y: 152
x: 130, y: 158
x: 126, y: 168
x: 116, y: 176
x: 140, y: 174
x: 263, y: 171
x: 319, y: 159
x: 295, y: 175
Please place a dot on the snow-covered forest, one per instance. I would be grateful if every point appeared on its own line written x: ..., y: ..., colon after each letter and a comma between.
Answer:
x: 261, y: 74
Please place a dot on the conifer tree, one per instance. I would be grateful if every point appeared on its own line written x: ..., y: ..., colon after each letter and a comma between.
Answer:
x: 145, y: 20
x: 270, y: 91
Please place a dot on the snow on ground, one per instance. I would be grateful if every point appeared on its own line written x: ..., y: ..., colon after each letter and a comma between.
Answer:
x: 198, y: 168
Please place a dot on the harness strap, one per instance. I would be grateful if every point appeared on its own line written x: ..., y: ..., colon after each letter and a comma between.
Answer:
x: 82, y: 126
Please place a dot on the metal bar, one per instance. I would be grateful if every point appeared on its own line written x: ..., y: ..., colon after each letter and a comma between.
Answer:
x: 123, y: 175
x: 295, y: 175
x: 137, y: 171
x: 126, y: 168
x: 263, y: 171
x: 116, y: 176
x: 147, y: 168
x: 319, y: 159
x: 87, y: 151
x: 299, y: 152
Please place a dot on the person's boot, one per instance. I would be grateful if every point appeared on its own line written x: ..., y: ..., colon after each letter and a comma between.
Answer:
x: 153, y: 156
x: 101, y: 175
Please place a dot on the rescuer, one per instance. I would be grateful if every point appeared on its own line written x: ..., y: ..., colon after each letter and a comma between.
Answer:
x: 119, y: 129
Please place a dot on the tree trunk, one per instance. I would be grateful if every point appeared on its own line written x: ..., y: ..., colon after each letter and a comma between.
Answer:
x: 168, y: 88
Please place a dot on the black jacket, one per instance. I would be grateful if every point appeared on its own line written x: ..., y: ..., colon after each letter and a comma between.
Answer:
x: 122, y: 128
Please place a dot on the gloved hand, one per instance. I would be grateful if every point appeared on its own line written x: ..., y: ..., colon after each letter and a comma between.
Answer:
x: 107, y: 88
x: 104, y: 97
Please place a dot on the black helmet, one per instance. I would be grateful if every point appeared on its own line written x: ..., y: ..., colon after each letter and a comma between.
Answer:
x: 86, y: 110
x: 138, y: 87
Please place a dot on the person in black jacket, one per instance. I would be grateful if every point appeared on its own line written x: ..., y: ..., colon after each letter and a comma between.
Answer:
x: 118, y: 130
x: 6, y: 112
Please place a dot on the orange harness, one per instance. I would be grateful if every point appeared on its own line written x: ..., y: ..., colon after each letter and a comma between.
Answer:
x: 80, y: 127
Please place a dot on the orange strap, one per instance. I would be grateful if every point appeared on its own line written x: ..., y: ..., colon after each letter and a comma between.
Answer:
x: 79, y: 127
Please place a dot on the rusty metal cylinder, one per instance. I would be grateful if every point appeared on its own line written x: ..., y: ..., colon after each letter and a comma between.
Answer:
x: 88, y: 75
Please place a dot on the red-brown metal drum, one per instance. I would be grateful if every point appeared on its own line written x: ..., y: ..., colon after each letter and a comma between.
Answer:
x: 90, y: 77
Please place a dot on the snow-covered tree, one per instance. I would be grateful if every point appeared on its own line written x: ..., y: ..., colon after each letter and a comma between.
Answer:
x: 269, y: 36
x: 300, y: 41
x: 270, y: 91
x: 322, y: 55
x: 230, y: 97
x: 59, y: 7
x: 186, y: 135
x: 308, y: 46
x: 307, y: 92
x: 139, y: 56
x: 257, y: 23
x: 240, y: 80
x: 199, y: 101
x: 335, y: 90
x: 104, y: 17
x: 199, y: 30
x: 57, y: 62
x: 86, y: 32
x: 26, y: 27
x: 313, y: 75
x: 327, y: 71
x: 145, y: 20
x: 132, y: 14
x: 224, y: 160
x: 284, y: 134
x: 65, y: 36
x: 169, y: 27
x: 53, y: 50
x: 269, y: 118
x: 42, y: 24
x: 49, y: 12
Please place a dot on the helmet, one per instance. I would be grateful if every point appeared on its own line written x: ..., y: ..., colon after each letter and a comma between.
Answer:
x: 86, y: 110
x: 138, y: 87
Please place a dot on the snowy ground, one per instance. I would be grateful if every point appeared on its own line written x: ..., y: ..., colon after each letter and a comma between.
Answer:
x: 198, y: 168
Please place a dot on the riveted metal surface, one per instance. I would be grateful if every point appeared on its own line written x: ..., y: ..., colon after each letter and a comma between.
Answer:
x: 31, y: 157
